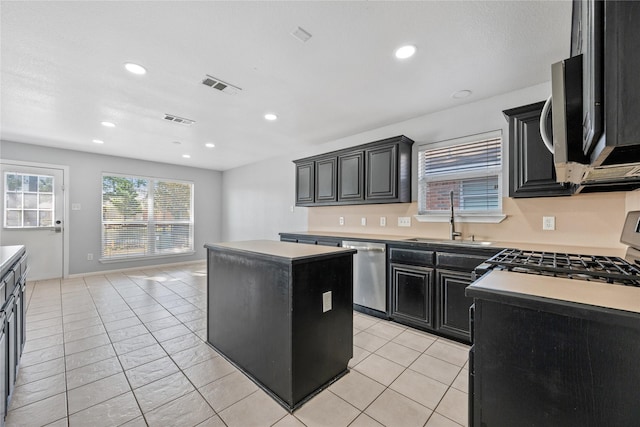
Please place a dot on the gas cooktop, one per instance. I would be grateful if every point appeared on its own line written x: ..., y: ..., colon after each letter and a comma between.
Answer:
x: 606, y: 269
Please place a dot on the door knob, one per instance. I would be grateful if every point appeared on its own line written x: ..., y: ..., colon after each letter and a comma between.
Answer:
x: 58, y: 227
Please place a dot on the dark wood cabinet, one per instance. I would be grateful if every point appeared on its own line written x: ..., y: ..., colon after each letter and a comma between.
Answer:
x: 531, y: 169
x: 546, y: 362
x: 452, y: 316
x: 12, y: 320
x: 325, y: 180
x: 382, y: 172
x: 305, y: 183
x: 311, y: 240
x: 412, y: 294
x: 427, y: 285
x: 378, y: 172
x: 351, y: 177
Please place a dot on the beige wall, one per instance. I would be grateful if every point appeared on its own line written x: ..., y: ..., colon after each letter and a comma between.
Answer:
x: 591, y: 220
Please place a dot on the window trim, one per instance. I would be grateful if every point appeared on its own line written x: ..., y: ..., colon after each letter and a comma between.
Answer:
x: 493, y: 216
x: 151, y: 181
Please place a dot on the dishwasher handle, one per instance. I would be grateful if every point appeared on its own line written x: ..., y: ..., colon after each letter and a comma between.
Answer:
x: 364, y: 248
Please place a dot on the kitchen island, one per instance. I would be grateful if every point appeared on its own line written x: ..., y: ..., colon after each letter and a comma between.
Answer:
x: 282, y: 313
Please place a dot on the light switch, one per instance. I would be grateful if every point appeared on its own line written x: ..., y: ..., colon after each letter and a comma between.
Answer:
x: 363, y: 221
x: 326, y: 301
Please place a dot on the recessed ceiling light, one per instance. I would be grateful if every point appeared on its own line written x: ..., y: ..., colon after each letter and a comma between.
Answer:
x: 135, y: 68
x: 209, y: 145
x: 98, y: 141
x: 270, y: 116
x: 108, y: 124
x: 461, y: 94
x: 186, y: 156
x: 405, y: 52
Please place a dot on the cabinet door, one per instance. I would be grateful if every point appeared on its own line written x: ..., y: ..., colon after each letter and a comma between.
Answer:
x: 10, y: 334
x: 531, y: 169
x: 452, y: 312
x: 351, y: 177
x: 4, y: 351
x: 382, y: 172
x: 304, y: 183
x: 326, y: 180
x: 412, y: 294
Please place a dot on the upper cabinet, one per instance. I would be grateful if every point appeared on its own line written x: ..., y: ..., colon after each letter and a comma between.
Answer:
x: 531, y: 169
x: 351, y: 177
x: 305, y: 183
x: 325, y: 188
x: 378, y: 172
x: 382, y: 172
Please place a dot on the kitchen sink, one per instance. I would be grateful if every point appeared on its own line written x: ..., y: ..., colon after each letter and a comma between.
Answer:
x: 470, y: 243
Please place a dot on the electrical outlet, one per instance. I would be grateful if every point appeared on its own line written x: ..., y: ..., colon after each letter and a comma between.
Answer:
x: 326, y: 301
x: 363, y: 221
x: 548, y: 222
x: 383, y: 221
x: 404, y: 221
x: 89, y: 257
x: 291, y: 208
x: 341, y: 220
x: 76, y: 206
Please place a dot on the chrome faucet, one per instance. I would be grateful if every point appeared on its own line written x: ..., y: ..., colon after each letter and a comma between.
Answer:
x: 452, y: 227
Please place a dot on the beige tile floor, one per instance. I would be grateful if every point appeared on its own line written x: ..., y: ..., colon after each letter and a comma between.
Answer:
x: 127, y: 349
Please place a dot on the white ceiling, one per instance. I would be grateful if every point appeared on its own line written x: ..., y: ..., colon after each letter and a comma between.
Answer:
x: 62, y: 70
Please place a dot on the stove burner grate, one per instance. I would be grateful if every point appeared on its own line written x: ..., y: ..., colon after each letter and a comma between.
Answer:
x: 582, y: 267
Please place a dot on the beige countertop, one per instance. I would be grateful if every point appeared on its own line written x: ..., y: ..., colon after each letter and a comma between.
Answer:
x: 570, y: 249
x: 8, y: 255
x: 291, y: 251
x: 606, y: 295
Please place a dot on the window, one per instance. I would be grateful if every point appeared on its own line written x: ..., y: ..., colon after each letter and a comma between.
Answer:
x: 28, y: 200
x: 471, y: 168
x: 143, y: 217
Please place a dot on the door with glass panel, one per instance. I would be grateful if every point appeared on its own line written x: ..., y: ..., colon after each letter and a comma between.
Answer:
x: 32, y: 215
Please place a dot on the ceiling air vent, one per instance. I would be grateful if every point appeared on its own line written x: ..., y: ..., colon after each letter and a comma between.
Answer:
x: 218, y: 84
x: 181, y: 120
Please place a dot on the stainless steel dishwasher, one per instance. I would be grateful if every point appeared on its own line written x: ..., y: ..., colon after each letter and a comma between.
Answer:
x: 369, y: 274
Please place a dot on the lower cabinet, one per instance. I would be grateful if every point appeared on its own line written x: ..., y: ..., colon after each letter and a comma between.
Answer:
x: 412, y: 294
x: 12, y: 328
x: 4, y: 352
x: 452, y: 316
x: 310, y: 240
x: 10, y: 310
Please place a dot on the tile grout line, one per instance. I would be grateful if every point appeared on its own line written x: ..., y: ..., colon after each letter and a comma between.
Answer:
x: 449, y: 386
x: 168, y: 355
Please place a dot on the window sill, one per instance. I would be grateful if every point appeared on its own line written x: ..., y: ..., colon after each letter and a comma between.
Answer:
x: 142, y: 258
x: 488, y: 218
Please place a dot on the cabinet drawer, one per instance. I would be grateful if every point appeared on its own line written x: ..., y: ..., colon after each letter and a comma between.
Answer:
x: 459, y: 261
x: 408, y: 256
x: 23, y: 265
x: 10, y: 281
x: 328, y: 242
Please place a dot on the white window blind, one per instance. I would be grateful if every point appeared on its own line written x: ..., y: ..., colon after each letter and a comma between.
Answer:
x: 472, y: 170
x: 144, y: 217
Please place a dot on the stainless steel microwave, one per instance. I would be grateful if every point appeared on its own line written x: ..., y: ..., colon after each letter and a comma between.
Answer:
x: 595, y: 102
